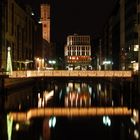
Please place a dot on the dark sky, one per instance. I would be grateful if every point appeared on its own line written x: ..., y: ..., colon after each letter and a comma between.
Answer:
x: 76, y: 16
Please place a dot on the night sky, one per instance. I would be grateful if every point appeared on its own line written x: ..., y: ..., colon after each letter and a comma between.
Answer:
x: 76, y: 16
x: 79, y: 16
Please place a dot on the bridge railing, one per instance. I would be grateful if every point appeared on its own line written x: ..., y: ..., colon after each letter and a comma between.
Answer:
x: 68, y: 73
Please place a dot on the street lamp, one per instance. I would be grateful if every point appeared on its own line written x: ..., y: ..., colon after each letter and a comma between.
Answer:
x: 52, y: 62
x: 107, y: 64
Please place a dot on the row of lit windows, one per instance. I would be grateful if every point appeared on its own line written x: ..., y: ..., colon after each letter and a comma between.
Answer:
x: 75, y: 48
x: 77, y: 43
x: 78, y: 62
x: 73, y: 40
x: 73, y: 53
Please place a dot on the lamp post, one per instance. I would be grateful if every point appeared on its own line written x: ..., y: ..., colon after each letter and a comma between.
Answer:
x: 26, y: 62
x: 100, y: 56
x: 107, y: 64
x: 52, y: 63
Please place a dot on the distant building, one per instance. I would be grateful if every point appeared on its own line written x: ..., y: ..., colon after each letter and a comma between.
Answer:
x: 45, y: 20
x: 77, y: 52
x: 48, y: 52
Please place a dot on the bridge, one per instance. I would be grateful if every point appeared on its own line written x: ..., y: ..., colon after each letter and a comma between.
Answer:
x: 43, y: 112
x: 70, y: 73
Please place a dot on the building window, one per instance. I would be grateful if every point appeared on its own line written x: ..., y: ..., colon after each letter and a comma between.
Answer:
x: 12, y: 14
x: 26, y: 28
x: 18, y: 38
x: 45, y: 25
x: 6, y: 15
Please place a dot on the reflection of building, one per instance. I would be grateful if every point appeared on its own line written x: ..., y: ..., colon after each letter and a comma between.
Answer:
x: 78, y: 52
x: 44, y: 99
x: 104, y: 95
x: 75, y: 99
x: 78, y: 95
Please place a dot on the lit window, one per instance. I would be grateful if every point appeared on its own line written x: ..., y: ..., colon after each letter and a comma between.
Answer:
x: 136, y: 47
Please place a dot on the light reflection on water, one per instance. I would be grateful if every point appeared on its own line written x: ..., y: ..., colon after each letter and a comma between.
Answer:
x: 70, y: 94
x: 76, y: 94
x: 97, y: 127
x: 91, y: 128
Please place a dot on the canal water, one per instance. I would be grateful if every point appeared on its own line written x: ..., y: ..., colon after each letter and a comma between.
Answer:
x: 74, y: 93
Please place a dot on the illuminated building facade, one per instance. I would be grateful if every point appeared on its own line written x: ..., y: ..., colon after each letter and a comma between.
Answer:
x: 45, y: 20
x: 78, y: 52
x: 48, y: 51
x: 19, y: 32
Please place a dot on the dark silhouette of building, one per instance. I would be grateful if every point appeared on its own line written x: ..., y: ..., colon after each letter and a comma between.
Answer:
x: 19, y: 30
x: 121, y: 35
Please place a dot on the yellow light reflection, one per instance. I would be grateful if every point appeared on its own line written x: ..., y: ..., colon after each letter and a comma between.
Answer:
x: 38, y: 112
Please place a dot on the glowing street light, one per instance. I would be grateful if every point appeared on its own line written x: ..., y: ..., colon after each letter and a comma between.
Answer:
x: 107, y: 64
x: 52, y: 62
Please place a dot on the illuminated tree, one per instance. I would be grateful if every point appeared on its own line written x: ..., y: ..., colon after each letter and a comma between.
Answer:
x: 9, y: 61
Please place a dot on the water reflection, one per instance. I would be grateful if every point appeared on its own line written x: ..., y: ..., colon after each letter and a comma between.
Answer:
x: 77, y: 95
x: 74, y: 94
x: 92, y: 128
x: 43, y: 101
x: 93, y: 94
x: 70, y: 94
x: 104, y: 94
x: 66, y: 128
